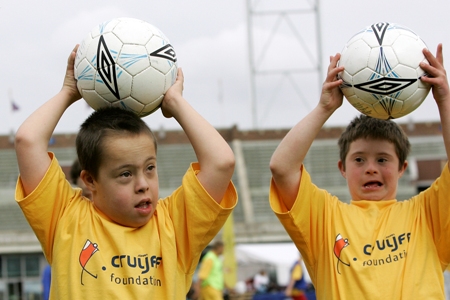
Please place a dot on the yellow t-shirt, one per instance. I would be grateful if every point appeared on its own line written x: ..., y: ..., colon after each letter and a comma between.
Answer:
x: 95, y: 258
x: 297, y: 272
x: 371, y: 249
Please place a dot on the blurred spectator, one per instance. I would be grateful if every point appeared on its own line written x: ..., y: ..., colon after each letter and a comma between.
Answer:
x: 75, y: 172
x: 261, y: 281
x: 447, y: 283
x: 194, y: 292
x: 46, y: 279
x: 211, y: 274
x: 297, y: 284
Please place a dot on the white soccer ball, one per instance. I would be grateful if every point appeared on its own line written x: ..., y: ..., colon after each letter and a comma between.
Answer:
x: 125, y: 62
x: 382, y: 73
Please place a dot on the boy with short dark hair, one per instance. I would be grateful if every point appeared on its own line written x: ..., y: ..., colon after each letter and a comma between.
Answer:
x: 124, y: 244
x: 375, y: 247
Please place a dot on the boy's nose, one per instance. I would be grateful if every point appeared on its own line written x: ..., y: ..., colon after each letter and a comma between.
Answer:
x: 142, y: 184
x: 371, y: 168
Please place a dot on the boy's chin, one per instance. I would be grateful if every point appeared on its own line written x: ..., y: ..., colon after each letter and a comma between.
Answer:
x: 375, y: 199
x: 135, y: 223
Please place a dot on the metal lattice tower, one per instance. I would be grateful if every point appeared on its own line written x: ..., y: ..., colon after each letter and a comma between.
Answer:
x: 284, y: 53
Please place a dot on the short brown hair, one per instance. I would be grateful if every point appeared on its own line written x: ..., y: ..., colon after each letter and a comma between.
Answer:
x: 217, y: 244
x: 105, y: 122
x: 365, y: 127
x: 75, y: 171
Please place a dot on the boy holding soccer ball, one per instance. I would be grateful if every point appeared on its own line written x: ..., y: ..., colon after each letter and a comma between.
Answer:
x: 124, y: 244
x: 375, y: 247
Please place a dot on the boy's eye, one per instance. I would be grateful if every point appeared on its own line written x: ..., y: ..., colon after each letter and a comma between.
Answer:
x: 125, y: 174
x: 358, y: 159
x: 381, y: 160
x: 151, y: 167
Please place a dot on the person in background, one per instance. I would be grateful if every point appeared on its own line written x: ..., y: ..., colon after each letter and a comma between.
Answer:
x: 447, y: 283
x: 75, y: 172
x: 211, y: 274
x: 261, y: 281
x: 194, y: 292
x: 297, y: 284
x: 46, y: 278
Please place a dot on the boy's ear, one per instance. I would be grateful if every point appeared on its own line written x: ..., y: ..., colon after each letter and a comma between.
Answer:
x: 88, y: 180
x: 342, y: 169
x: 402, y: 169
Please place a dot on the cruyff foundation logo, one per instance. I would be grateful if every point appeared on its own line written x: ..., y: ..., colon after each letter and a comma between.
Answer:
x: 339, y: 245
x: 86, y: 253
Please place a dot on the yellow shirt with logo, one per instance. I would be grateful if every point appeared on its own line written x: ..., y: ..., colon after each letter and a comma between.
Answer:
x: 371, y: 249
x: 94, y: 258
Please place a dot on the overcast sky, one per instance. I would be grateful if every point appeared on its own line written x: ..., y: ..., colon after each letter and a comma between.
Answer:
x: 211, y: 42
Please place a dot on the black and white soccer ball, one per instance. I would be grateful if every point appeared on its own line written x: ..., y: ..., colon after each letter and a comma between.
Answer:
x: 382, y: 73
x: 125, y: 62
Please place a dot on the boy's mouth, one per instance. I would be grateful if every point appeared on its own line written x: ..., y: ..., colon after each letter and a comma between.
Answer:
x: 372, y: 184
x: 143, y: 204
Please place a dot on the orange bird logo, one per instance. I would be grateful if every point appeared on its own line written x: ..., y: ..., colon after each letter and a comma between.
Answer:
x: 339, y: 245
x: 86, y: 253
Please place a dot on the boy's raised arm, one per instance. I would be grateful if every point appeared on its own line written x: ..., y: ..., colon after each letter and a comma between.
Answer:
x: 287, y: 160
x: 33, y: 135
x: 214, y: 155
x: 440, y: 89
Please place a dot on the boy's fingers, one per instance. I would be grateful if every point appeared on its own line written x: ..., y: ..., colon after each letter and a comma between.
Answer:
x: 180, y: 74
x: 435, y: 61
x: 439, y: 54
x: 72, y: 55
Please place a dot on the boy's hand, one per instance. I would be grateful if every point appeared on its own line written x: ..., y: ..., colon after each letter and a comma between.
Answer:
x: 331, y: 97
x: 437, y: 76
x: 173, y: 94
x: 70, y: 83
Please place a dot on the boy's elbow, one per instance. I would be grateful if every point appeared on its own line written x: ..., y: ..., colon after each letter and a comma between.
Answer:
x: 228, y: 164
x: 280, y: 172
x: 22, y: 139
x: 27, y: 141
x: 275, y: 168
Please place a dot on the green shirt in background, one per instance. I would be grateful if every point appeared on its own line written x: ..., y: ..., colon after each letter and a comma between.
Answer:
x: 211, y: 271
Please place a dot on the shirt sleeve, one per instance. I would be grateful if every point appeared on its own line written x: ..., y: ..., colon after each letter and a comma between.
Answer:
x: 196, y: 216
x: 45, y: 205
x: 309, y: 220
x: 436, y: 206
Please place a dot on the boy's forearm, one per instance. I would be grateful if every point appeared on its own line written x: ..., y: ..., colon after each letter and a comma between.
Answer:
x: 291, y: 152
x: 40, y: 125
x: 288, y: 158
x: 214, y: 155
x: 32, y: 137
